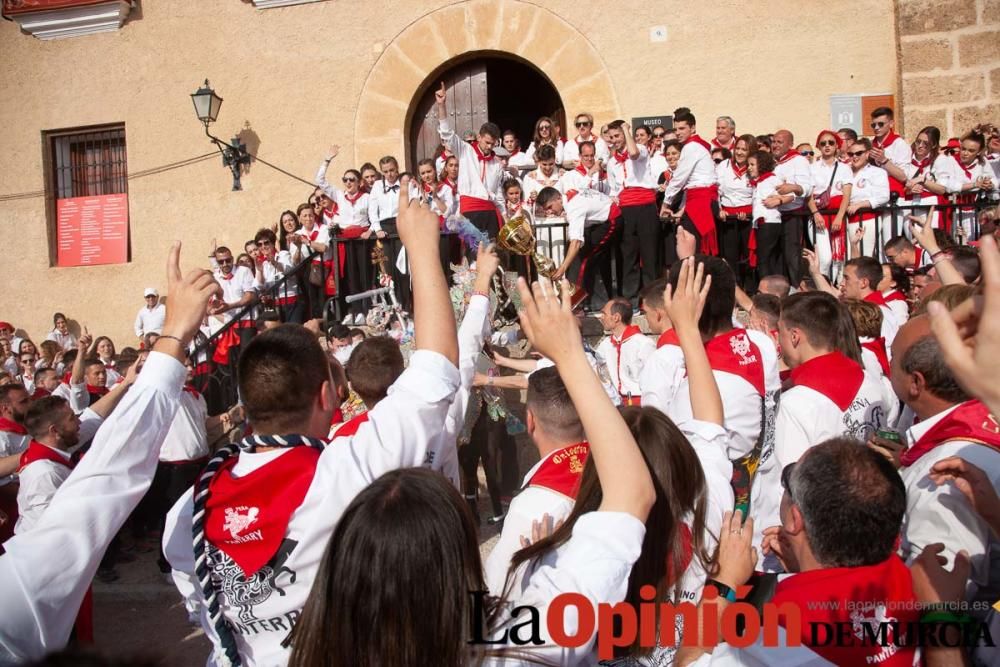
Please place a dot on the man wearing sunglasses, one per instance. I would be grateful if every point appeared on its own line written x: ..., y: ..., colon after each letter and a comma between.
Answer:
x: 889, y: 150
x: 584, y: 124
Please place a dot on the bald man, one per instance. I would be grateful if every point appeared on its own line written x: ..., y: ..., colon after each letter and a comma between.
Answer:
x: 793, y: 170
x: 948, y: 424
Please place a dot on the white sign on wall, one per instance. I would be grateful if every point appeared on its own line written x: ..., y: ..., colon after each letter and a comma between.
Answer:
x: 845, y: 111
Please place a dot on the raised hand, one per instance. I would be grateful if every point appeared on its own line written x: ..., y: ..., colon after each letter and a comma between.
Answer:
x: 85, y: 340
x: 811, y: 260
x: 922, y: 232
x: 548, y: 321
x: 187, y: 298
x: 441, y: 94
x: 417, y: 224
x: 332, y: 151
x: 487, y: 263
x: 685, y: 243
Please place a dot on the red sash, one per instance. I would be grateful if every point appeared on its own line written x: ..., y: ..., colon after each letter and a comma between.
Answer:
x: 36, y: 451
x: 876, y: 298
x: 736, y: 210
x: 856, y: 596
x: 630, y: 330
x: 350, y: 427
x: 636, y: 196
x: 734, y: 352
x: 247, y: 517
x: 833, y: 375
x: 694, y: 138
x: 229, y: 339
x: 668, y: 337
x: 8, y: 426
x: 347, y: 233
x: 971, y: 421
x: 467, y: 204
x: 894, y: 295
x: 699, y: 209
x: 561, y: 471
x: 877, y: 348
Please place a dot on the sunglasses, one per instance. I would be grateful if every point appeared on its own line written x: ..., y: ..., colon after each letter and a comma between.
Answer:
x: 27, y: 361
x: 876, y: 124
x: 857, y: 153
x: 922, y: 142
x: 806, y: 153
x: 828, y: 142
x: 583, y: 123
x: 349, y: 179
x: 544, y: 127
x: 223, y: 262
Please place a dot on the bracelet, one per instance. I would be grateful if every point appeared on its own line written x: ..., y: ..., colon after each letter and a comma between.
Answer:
x: 724, y: 591
x: 161, y: 336
x: 480, y: 292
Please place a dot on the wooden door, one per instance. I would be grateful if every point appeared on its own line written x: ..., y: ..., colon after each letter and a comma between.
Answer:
x: 467, y: 109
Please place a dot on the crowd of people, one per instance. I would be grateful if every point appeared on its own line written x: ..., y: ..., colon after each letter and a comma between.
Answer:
x: 769, y: 416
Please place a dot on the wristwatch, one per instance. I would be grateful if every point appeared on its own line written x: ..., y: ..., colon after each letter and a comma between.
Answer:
x: 724, y: 591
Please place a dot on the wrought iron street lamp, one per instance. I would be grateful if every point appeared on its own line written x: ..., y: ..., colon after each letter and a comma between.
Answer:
x: 234, y: 154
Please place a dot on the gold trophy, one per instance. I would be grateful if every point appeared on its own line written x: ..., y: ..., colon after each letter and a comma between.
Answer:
x: 517, y: 237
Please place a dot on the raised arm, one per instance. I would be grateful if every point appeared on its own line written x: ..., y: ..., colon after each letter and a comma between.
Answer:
x: 923, y: 234
x: 321, y: 181
x: 630, y: 146
x: 551, y: 327
x: 684, y: 306
x: 822, y: 284
x: 445, y: 130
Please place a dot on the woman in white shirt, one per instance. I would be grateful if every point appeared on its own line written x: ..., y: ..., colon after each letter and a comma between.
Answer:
x: 61, y: 333
x: 968, y: 175
x: 104, y: 349
x: 828, y: 204
x: 736, y: 206
x: 922, y: 187
x: 869, y: 191
x: 545, y: 134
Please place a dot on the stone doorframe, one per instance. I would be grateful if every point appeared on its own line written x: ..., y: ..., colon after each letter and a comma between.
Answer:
x: 434, y: 42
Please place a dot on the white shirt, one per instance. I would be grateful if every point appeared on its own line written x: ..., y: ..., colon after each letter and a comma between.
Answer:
x: 571, y: 151
x: 559, y: 146
x: 187, y: 438
x: 734, y: 189
x: 900, y: 309
x: 482, y: 179
x: 577, y: 179
x: 898, y: 152
x: 238, y: 283
x: 535, y: 180
x: 793, y: 168
x: 943, y: 514
x: 583, y: 209
x: 661, y: 376
x: 41, y: 594
x: 351, y: 211
x: 396, y: 435
x: 11, y: 444
x: 269, y: 275
x: 632, y: 173
x: 625, y: 368
x: 761, y: 191
x: 67, y: 341
x: 953, y: 175
x: 695, y: 169
x: 874, y: 368
x: 76, y: 395
x: 830, y: 177
x: 383, y: 203
x: 150, y: 320
x: 870, y: 183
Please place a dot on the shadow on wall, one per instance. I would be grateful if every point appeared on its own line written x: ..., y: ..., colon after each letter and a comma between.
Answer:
x: 249, y: 138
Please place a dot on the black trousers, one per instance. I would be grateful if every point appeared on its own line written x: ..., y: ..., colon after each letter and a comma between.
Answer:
x: 391, y: 245
x: 594, y: 260
x: 169, y: 484
x: 769, y: 257
x: 357, y: 274
x: 640, y: 249
x: 791, y: 237
x: 485, y: 440
x: 670, y: 239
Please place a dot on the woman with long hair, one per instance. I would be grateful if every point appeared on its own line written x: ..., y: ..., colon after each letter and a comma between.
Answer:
x: 288, y: 224
x: 736, y: 207
x: 60, y: 332
x: 394, y: 584
x: 828, y: 204
x: 968, y: 175
x: 922, y: 187
x: 545, y: 133
x: 869, y: 191
x: 438, y: 196
x: 104, y: 349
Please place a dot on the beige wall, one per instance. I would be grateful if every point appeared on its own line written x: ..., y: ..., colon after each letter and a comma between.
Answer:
x: 950, y: 63
x: 301, y: 77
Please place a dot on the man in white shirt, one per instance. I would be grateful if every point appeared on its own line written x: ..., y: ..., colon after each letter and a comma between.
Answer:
x: 480, y: 172
x: 725, y: 133
x: 795, y: 174
x: 261, y: 514
x: 624, y: 350
x: 238, y: 290
x: 664, y: 368
x: 593, y: 221
x: 695, y: 175
x: 949, y: 424
x: 861, y: 278
x: 831, y: 395
x: 584, y: 133
x: 635, y: 191
x: 150, y: 317
x: 14, y: 439
x: 551, y: 485
x: 545, y: 176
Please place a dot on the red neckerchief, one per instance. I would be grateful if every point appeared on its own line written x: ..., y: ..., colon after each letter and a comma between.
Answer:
x: 965, y: 170
x: 583, y: 170
x: 10, y: 426
x: 337, y: 417
x: 760, y: 179
x: 515, y: 210
x: 894, y: 295
x: 694, y: 138
x: 621, y: 156
x: 971, y: 421
x: 100, y: 391
x: 357, y: 195
x: 41, y: 393
x: 734, y: 352
x: 428, y: 188
x: 923, y: 164
x: 247, y: 517
x: 453, y: 186
x: 580, y: 140
x: 332, y: 211
x: 189, y: 388
x: 787, y: 156
x: 667, y: 175
x: 483, y: 161
x: 737, y: 172
x: 668, y: 337
x: 853, y: 597
x: 877, y: 347
x: 630, y: 330
x: 36, y: 451
x: 350, y: 428
x: 570, y: 194
x: 562, y: 469
x: 833, y: 375
x: 729, y: 146
x: 314, y: 233
x: 885, y: 143
x: 876, y: 298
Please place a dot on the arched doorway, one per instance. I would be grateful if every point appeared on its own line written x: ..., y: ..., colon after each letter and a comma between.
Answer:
x: 499, y: 88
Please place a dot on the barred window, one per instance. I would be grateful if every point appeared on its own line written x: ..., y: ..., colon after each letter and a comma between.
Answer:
x: 90, y: 163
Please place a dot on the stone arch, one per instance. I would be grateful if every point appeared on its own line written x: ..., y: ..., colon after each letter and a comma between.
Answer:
x: 409, y: 63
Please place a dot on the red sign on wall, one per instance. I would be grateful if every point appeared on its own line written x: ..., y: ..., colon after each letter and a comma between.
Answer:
x: 92, y: 230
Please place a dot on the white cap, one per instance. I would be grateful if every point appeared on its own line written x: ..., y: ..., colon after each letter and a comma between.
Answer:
x: 150, y: 291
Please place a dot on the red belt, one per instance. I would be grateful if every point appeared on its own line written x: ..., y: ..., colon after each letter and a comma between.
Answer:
x: 736, y: 210
x: 286, y: 300
x: 636, y: 196
x: 468, y: 204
